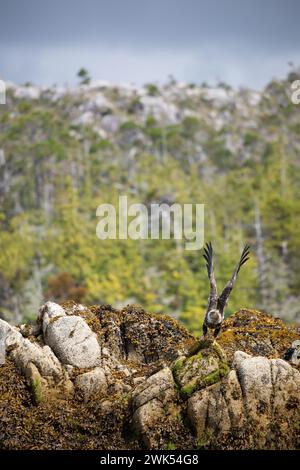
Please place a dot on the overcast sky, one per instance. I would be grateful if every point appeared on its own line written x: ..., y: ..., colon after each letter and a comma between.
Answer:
x: 242, y: 42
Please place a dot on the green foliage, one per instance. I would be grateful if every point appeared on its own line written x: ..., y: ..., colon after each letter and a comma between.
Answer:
x: 171, y: 446
x: 190, y: 125
x: 250, y: 138
x: 152, y: 89
x: 150, y: 121
x: 101, y: 145
x: 84, y: 76
x: 188, y: 390
x: 24, y: 107
x: 54, y: 181
x: 128, y: 125
x: 202, y: 442
x: 219, y: 154
x: 134, y: 105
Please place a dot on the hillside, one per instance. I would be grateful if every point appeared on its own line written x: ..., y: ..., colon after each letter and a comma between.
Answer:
x: 68, y: 149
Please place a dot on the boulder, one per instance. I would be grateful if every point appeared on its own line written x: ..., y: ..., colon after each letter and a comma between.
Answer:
x: 36, y: 382
x: 91, y: 383
x: 134, y: 335
x: 256, y: 382
x: 27, y: 92
x: 160, y: 109
x: 200, y: 370
x: 292, y: 355
x: 48, y: 313
x: 149, y: 338
x: 249, y: 400
x: 286, y: 388
x: 154, y: 403
x: 238, y: 358
x: 110, y: 123
x: 23, y: 351
x: 256, y: 333
x: 73, y: 341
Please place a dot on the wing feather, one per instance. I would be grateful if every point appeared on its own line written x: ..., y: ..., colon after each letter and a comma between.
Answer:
x: 213, y: 295
x: 223, y: 299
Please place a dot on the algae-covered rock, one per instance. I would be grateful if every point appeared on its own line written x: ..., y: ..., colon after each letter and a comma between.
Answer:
x: 154, y: 403
x: 255, y: 378
x: 137, y: 336
x: 91, y: 383
x: 35, y: 382
x: 254, y: 399
x: 98, y: 378
x: 205, y: 368
x: 256, y: 333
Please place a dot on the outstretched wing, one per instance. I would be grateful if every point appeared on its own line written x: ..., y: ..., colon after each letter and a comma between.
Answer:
x: 213, y: 295
x: 222, y: 301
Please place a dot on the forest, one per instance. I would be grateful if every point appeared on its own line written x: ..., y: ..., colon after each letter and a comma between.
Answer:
x: 65, y: 150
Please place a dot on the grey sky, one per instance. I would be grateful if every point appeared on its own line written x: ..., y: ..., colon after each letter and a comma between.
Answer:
x: 238, y: 41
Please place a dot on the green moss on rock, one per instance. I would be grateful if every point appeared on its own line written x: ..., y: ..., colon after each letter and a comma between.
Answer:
x: 178, y: 365
x: 36, y: 390
x: 200, y: 370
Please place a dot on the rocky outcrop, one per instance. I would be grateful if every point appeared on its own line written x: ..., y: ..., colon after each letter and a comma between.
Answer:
x: 79, y: 375
x: 154, y: 402
x: 254, y: 399
x: 26, y: 353
x: 256, y: 333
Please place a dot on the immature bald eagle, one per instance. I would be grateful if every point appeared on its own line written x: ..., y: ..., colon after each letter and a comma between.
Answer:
x: 216, y: 304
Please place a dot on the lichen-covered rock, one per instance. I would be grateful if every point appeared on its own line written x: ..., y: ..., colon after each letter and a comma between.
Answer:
x: 200, y: 370
x: 234, y: 400
x: 286, y: 388
x: 256, y: 382
x: 32, y: 329
x: 73, y: 341
x: 208, y: 412
x: 238, y: 358
x: 154, y: 402
x: 91, y: 383
x: 42, y: 356
x: 23, y: 351
x: 217, y: 409
x: 160, y: 385
x: 48, y: 313
x: 254, y: 399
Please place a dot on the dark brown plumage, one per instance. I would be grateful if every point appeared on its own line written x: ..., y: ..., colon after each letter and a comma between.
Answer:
x: 216, y: 304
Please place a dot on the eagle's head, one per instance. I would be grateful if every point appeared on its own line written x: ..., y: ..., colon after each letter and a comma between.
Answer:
x: 214, y: 317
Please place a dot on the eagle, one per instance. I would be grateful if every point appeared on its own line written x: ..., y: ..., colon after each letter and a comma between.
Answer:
x: 216, y: 304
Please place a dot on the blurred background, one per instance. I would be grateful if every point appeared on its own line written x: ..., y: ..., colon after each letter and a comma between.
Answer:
x: 162, y: 101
